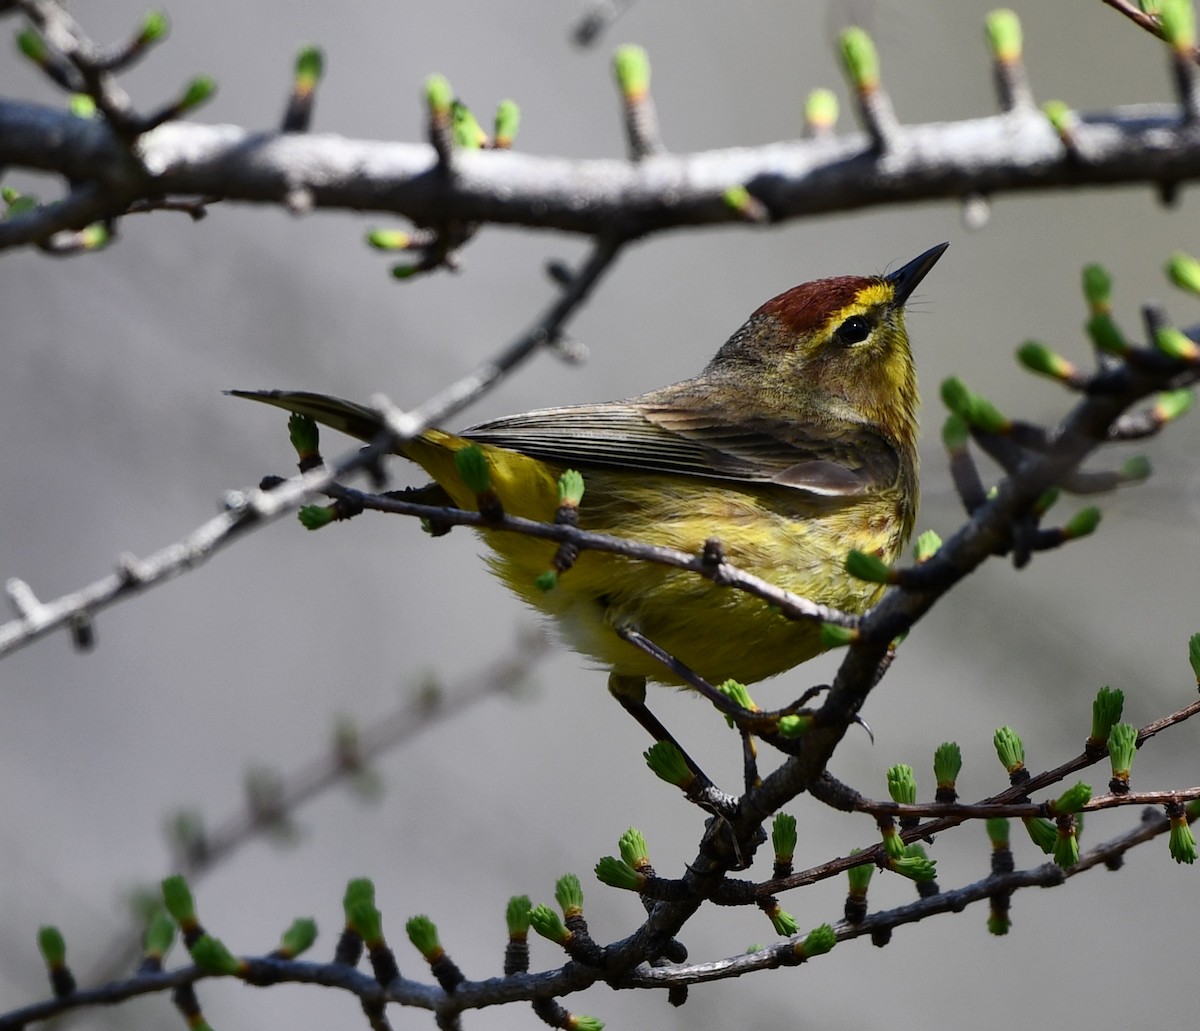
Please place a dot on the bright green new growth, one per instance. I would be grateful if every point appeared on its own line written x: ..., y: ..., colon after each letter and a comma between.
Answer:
x: 783, y: 922
x: 31, y: 45
x: 299, y: 937
x: 1009, y: 749
x: 568, y: 893
x: 1042, y: 832
x: 1106, y: 711
x: 1136, y: 468
x: 737, y: 198
x: 212, y: 954
x: 1082, y: 523
x: 1176, y: 344
x: 570, y: 488
x: 617, y: 873
x: 998, y: 831
x: 1097, y: 286
x: 177, y: 897
x: 365, y: 920
x: 634, y: 849
x: 1184, y: 271
x: 915, y: 867
x: 1004, y: 35
x: 314, y: 517
x: 1072, y: 800
x: 52, y: 946
x: 310, y: 66
x: 360, y: 889
x: 955, y: 432
x: 422, y: 932
x: 472, y: 466
x: 81, y: 105
x: 1039, y: 358
x: 1183, y: 842
x: 516, y: 915
x: 667, y: 763
x: 631, y: 65
x: 795, y: 725
x: 197, y: 92
x: 1122, y: 746
x: 154, y: 27
x: 548, y: 924
x: 1058, y: 114
x: 860, y: 876
x: 582, y: 1022
x: 388, y: 239
x: 1066, y: 848
x: 508, y: 121
x: 860, y: 59
x: 1178, y: 20
x: 902, y: 784
x: 947, y: 764
x: 818, y: 941
x: 1149, y: 6
x: 870, y: 568
x: 304, y: 435
x: 975, y: 409
x: 1172, y: 404
x: 1105, y: 334
x: 160, y: 935
x: 834, y: 636
x: 784, y: 837
x: 1194, y: 655
x: 821, y: 109
x: 438, y: 96
x: 926, y: 546
x: 465, y: 127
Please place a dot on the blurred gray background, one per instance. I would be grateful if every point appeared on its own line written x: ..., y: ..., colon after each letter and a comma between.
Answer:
x: 116, y: 437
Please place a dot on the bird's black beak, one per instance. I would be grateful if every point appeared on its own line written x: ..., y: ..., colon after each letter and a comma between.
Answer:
x: 904, y: 280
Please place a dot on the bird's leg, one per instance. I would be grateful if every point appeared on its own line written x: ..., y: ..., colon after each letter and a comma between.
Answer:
x: 689, y: 676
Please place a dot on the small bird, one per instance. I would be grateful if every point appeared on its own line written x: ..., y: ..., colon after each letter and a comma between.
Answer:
x: 795, y: 444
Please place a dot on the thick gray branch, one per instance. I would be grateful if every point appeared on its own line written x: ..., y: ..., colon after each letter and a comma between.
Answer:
x: 1003, y: 153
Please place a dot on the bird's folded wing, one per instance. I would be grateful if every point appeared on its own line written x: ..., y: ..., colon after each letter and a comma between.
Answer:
x: 663, y: 439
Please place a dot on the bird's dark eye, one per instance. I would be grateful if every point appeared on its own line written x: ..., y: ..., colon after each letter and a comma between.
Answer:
x: 854, y: 330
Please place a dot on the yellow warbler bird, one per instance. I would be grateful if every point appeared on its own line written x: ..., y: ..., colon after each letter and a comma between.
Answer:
x: 795, y: 444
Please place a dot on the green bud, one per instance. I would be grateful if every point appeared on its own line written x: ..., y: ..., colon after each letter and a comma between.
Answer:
x: 634, y: 849
x: 304, y: 434
x: 817, y: 942
x: 618, y: 874
x: 998, y: 923
x: 155, y: 26
x: 736, y: 692
x: 1183, y: 841
x: 1047, y: 500
x: 975, y: 409
x: 1105, y: 335
x: 160, y: 935
x: 1176, y: 344
x: 631, y: 65
x: 783, y: 922
x: 359, y: 890
x: 94, y: 236
x: 926, y: 546
x: 314, y: 517
x: 548, y: 924
x: 405, y: 271
x: 998, y: 831
x: 902, y: 783
x: 834, y: 636
x: 17, y: 203
x: 914, y: 867
x: 508, y: 120
x: 438, y: 96
x: 213, y: 955
x: 1178, y: 20
x: 1004, y: 35
x: 570, y: 488
x: 1072, y: 800
x: 422, y: 932
x: 1122, y: 746
x: 947, y: 764
x: 1106, y: 711
x: 1042, y: 832
x: 1194, y: 655
x: 32, y: 46
x: 52, y: 946
x: 1009, y: 749
x: 472, y: 466
x: 870, y: 568
x: 1039, y: 358
x: 568, y: 893
x: 1059, y: 116
x: 1082, y: 523
x: 298, y: 938
x: 465, y: 127
x: 1066, y: 848
x: 821, y: 109
x: 196, y: 93
x: 582, y: 1022
x: 82, y: 106
x: 546, y: 581
x: 1149, y: 6
x: 737, y: 198
x: 893, y: 844
x: 860, y: 59
x: 1136, y: 468
x: 1097, y: 287
x: 784, y: 837
x: 310, y: 66
x: 177, y: 897
x: 516, y: 916
x: 795, y: 724
x: 1171, y: 404
x: 955, y: 433
x: 860, y: 876
x: 667, y: 763
x: 365, y: 920
x: 388, y: 239
x: 1184, y: 271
